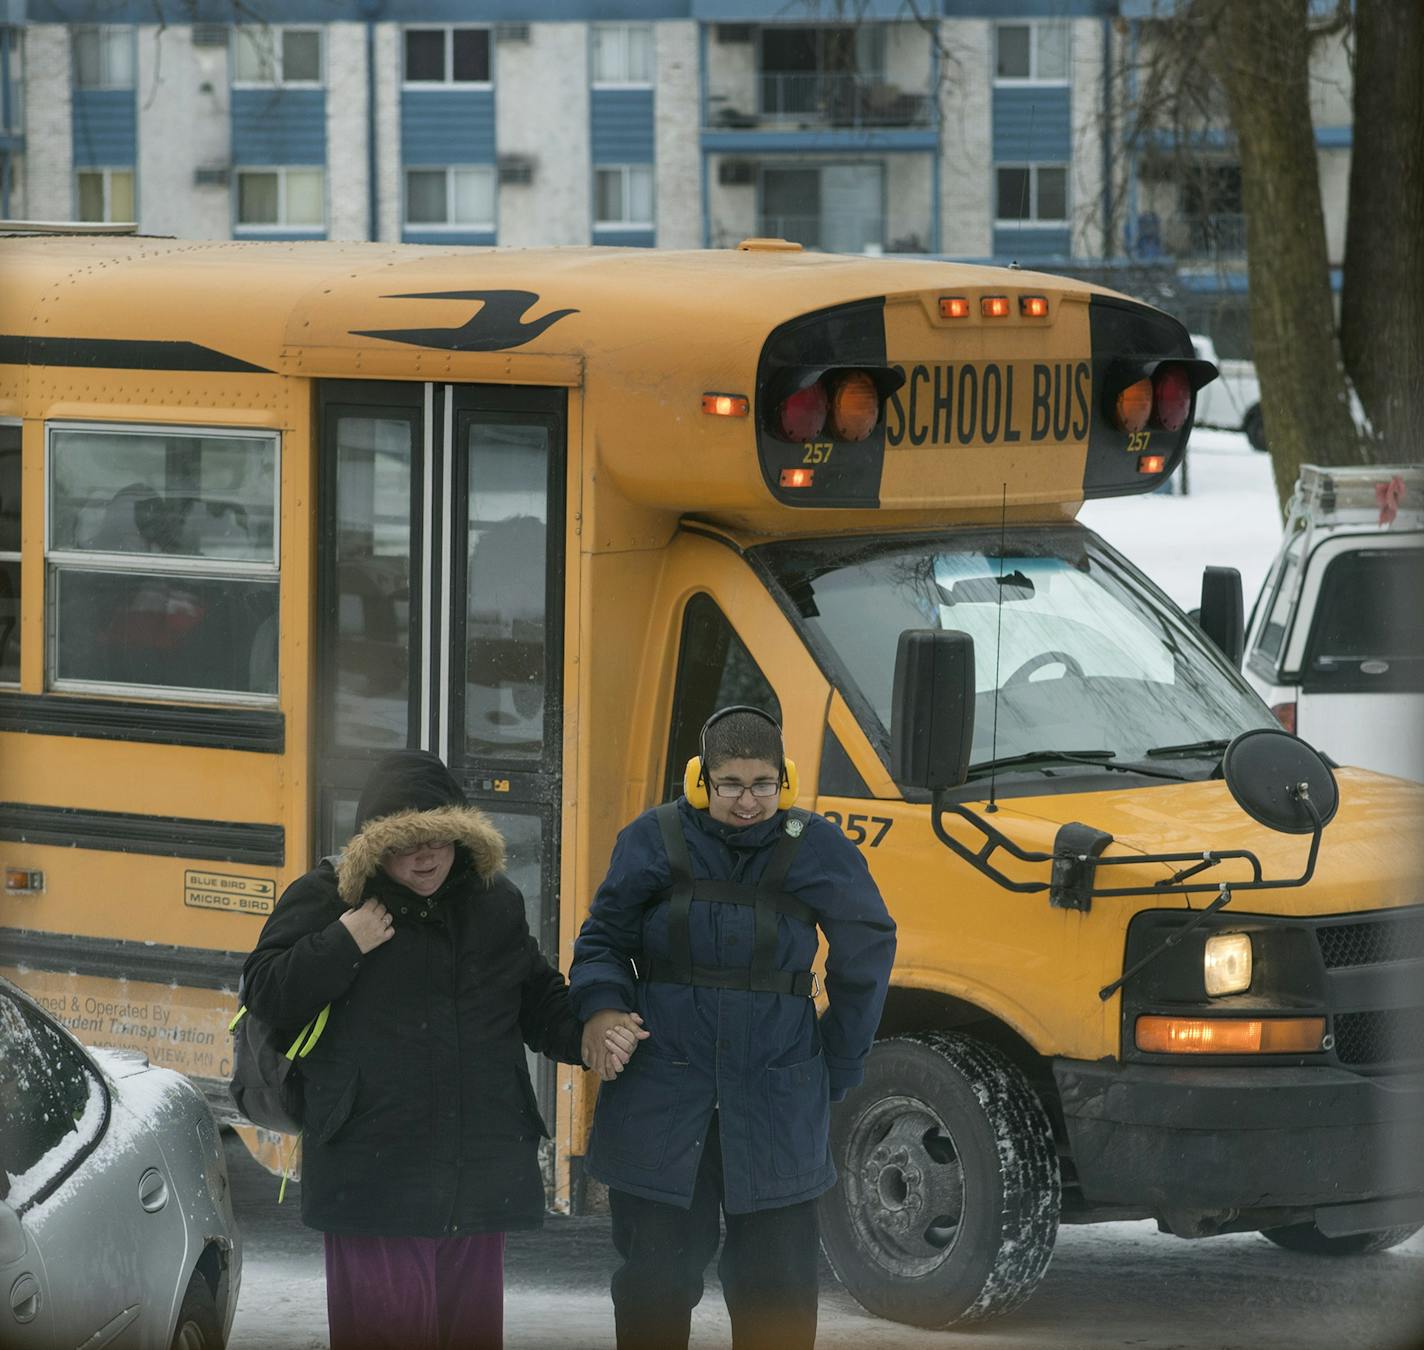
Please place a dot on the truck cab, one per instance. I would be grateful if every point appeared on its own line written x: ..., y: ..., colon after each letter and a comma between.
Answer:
x: 1335, y: 642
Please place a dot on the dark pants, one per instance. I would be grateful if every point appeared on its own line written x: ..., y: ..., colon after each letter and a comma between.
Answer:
x: 415, y: 1293
x: 768, y: 1266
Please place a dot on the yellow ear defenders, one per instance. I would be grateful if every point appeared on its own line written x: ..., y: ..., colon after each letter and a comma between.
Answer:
x: 694, y: 781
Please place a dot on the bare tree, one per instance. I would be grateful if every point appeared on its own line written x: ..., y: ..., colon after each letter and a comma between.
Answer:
x: 1382, y: 304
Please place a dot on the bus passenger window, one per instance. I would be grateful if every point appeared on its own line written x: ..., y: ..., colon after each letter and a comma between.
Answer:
x: 162, y: 558
x: 714, y: 670
x: 9, y: 553
x: 506, y: 585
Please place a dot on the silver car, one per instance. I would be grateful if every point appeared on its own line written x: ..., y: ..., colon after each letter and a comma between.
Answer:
x: 116, y: 1226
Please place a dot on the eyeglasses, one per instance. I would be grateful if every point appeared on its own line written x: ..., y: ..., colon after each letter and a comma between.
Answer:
x: 763, y: 787
x: 422, y: 847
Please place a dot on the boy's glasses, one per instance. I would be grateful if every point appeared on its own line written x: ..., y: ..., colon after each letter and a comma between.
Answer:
x: 762, y: 788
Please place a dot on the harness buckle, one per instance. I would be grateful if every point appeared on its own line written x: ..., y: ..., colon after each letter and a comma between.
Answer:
x: 815, y: 985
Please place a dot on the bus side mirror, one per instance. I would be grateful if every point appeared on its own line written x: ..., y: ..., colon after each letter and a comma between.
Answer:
x: 932, y: 711
x: 1223, y: 615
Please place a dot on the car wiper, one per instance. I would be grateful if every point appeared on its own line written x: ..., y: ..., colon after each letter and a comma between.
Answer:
x: 1191, y: 748
x: 1098, y: 759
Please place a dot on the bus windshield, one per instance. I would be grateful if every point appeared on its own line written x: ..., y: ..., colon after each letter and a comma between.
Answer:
x: 1081, y: 654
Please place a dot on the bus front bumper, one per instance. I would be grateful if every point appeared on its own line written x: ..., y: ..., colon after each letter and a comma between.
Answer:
x: 1338, y: 1147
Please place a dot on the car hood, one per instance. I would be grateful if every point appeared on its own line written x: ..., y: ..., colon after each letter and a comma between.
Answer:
x: 1371, y: 853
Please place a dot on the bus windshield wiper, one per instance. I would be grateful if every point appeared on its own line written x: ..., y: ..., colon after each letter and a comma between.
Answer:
x: 1191, y: 748
x: 1098, y: 759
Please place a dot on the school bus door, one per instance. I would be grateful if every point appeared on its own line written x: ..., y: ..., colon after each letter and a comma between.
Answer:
x: 440, y: 601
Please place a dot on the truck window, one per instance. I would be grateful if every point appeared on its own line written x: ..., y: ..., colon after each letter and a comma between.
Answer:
x: 1081, y: 654
x: 1273, y: 631
x: 1368, y: 631
x: 714, y: 670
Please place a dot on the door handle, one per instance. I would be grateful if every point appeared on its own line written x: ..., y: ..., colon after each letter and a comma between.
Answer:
x: 152, y: 1190
x: 25, y: 1298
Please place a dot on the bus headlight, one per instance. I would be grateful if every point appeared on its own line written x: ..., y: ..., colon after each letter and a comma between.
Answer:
x: 1226, y: 963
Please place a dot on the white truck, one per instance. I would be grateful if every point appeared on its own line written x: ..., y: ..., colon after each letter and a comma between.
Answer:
x: 1233, y: 399
x: 1335, y: 641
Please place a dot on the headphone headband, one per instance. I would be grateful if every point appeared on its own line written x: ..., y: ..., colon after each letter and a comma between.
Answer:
x: 727, y: 712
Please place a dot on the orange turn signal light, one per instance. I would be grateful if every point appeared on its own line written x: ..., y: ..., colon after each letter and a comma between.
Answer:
x: 1230, y: 1035
x: 855, y: 406
x: 994, y: 306
x: 1151, y: 463
x: 1134, y: 406
x: 796, y: 478
x: 1033, y: 306
x: 953, y: 307
x: 725, y: 405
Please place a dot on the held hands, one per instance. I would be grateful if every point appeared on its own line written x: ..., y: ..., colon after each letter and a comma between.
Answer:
x: 371, y: 925
x: 609, y: 1039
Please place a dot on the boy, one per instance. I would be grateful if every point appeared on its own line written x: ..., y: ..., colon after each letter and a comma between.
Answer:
x: 726, y: 1105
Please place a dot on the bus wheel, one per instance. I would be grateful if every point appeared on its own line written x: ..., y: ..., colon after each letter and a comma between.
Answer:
x: 1254, y: 425
x: 947, y: 1205
x: 1306, y: 1237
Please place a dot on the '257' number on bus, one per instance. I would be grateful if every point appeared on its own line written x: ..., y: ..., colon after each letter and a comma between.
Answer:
x: 854, y: 827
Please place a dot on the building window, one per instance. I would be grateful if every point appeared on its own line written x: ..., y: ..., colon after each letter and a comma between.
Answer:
x: 623, y: 197
x: 1035, y: 194
x: 104, y: 57
x: 106, y: 194
x: 163, y: 561
x: 1032, y: 51
x: 9, y: 553
x: 622, y: 53
x: 281, y: 199
x: 447, y: 55
x: 267, y: 55
x: 12, y: 114
x: 453, y: 198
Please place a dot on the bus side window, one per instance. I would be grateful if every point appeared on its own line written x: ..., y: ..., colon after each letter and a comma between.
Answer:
x: 714, y: 670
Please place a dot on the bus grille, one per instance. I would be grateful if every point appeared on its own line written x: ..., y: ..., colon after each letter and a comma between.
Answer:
x: 1392, y: 938
x: 1388, y: 1036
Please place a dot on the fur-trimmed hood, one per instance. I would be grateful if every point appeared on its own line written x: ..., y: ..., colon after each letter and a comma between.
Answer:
x: 464, y: 825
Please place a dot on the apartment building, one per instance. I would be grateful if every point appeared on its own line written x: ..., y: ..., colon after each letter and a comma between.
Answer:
x: 985, y: 129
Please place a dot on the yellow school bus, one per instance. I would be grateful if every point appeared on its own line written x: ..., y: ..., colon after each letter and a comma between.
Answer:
x: 270, y: 509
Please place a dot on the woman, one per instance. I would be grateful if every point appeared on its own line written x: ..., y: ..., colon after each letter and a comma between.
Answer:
x: 421, y: 1131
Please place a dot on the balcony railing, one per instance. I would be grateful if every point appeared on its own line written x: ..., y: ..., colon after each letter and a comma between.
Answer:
x: 826, y: 100
x: 844, y: 232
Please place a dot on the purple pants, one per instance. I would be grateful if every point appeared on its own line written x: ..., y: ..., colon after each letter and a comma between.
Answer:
x: 414, y: 1293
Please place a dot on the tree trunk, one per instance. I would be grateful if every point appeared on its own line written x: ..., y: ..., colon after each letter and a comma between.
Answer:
x: 1263, y: 59
x: 1382, y: 305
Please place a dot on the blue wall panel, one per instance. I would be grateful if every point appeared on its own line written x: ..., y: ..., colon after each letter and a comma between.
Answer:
x: 1019, y: 244
x: 279, y: 126
x: 105, y: 128
x: 447, y: 126
x: 455, y: 239
x: 1032, y: 125
x: 621, y: 129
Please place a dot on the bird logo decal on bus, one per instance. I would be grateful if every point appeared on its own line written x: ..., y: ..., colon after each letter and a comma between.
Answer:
x: 497, y: 325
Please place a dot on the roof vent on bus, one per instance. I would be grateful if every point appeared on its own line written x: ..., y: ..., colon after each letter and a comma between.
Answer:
x: 768, y: 246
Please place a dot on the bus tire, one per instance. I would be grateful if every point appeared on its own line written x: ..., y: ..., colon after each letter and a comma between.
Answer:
x: 946, y: 1208
x: 1306, y: 1237
x: 198, y: 1327
x: 1254, y: 425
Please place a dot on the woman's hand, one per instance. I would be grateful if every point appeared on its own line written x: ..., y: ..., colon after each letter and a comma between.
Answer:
x: 370, y: 925
x: 609, y: 1039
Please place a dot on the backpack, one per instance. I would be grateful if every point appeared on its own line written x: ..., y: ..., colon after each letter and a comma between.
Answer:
x: 265, y: 1086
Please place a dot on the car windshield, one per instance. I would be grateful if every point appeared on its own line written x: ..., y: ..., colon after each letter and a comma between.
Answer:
x: 1073, y: 650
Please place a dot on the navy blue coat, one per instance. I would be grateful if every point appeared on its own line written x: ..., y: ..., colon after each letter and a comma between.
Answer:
x: 763, y: 1061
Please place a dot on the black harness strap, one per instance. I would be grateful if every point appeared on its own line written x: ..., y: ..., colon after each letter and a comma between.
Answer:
x: 766, y: 897
x: 679, y: 936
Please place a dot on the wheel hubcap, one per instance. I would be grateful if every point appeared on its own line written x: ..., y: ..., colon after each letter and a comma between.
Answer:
x: 904, y: 1185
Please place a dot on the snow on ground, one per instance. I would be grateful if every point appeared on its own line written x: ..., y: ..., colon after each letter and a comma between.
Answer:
x: 1230, y: 518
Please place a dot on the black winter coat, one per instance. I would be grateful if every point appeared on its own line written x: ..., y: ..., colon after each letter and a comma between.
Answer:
x: 420, y: 1117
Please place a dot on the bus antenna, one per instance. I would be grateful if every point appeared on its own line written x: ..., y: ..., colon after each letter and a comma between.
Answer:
x: 998, y: 647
